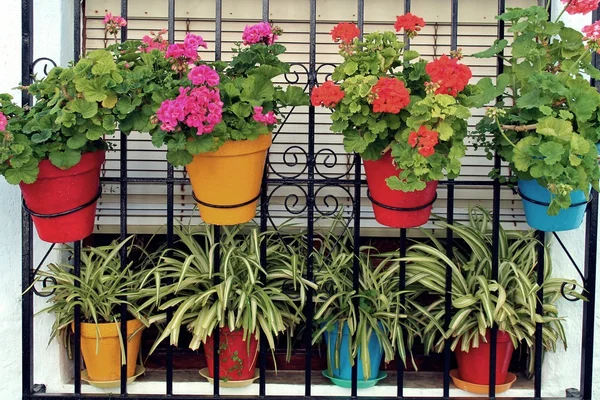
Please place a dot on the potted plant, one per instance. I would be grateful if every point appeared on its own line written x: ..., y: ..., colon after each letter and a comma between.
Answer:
x: 407, y: 118
x: 479, y: 301
x: 545, y: 123
x: 54, y: 150
x: 103, y: 287
x: 216, y: 119
x: 364, y: 325
x: 241, y: 301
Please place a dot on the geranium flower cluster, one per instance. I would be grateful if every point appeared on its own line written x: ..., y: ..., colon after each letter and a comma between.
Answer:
x: 410, y: 23
x: 154, y: 42
x: 262, y: 32
x: 328, y: 94
x: 424, y: 140
x: 112, y: 24
x: 451, y: 76
x: 266, y: 119
x: 390, y: 95
x: 345, y: 32
x: 199, y: 107
x: 182, y: 54
x: 3, y: 122
x: 581, y: 6
x: 592, y: 35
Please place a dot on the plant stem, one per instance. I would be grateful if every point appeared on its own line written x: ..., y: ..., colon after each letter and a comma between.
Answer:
x: 563, y: 10
x: 577, y: 62
x: 519, y: 128
x: 501, y: 129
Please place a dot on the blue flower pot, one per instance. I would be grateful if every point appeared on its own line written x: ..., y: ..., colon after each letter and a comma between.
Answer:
x: 598, y: 147
x: 536, y: 199
x: 345, y: 368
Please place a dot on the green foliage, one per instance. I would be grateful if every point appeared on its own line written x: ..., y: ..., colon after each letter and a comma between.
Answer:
x: 371, y: 134
x: 479, y: 301
x: 375, y: 308
x: 545, y: 123
x: 73, y: 112
x: 103, y: 287
x: 245, y: 82
x: 236, y: 297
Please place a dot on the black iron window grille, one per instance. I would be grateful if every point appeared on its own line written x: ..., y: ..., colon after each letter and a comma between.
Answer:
x: 309, y: 183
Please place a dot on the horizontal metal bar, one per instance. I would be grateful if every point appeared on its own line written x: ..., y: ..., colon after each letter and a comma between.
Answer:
x: 45, y: 396
x: 280, y: 181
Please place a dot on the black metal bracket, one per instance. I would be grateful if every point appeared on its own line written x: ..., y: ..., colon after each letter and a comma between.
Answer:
x: 46, y: 280
x: 63, y: 213
x: 564, y: 285
x: 543, y: 203
x: 224, y: 206
x: 387, y: 207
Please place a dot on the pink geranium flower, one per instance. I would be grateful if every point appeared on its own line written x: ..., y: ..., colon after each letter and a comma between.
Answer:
x: 265, y: 119
x: 3, y: 122
x: 581, y: 6
x: 260, y: 33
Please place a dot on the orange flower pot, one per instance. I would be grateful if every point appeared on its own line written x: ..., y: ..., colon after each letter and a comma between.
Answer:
x: 227, y: 182
x: 105, y: 364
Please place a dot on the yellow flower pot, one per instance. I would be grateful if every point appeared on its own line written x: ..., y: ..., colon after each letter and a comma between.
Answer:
x: 226, y: 182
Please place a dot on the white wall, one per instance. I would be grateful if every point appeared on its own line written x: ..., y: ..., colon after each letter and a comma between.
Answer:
x: 53, y: 38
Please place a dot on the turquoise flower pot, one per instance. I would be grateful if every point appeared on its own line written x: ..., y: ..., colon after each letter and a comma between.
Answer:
x: 344, y: 370
x: 536, y: 199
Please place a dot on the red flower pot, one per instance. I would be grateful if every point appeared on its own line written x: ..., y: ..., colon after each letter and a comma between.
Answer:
x: 474, y: 366
x: 381, y: 195
x: 58, y: 191
x: 237, y: 358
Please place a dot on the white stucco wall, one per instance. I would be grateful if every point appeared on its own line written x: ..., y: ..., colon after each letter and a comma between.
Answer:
x: 53, y: 38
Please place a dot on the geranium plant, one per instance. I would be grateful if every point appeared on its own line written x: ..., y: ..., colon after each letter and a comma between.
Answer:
x: 207, y: 104
x: 387, y: 99
x: 546, y: 121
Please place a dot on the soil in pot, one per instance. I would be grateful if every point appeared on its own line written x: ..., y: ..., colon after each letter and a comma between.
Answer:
x: 418, y: 202
x: 58, y: 191
x: 474, y: 365
x: 105, y: 364
x: 227, y: 182
x: 237, y: 357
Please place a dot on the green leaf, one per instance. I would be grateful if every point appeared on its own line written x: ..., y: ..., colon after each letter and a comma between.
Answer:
x: 552, y: 152
x: 86, y: 108
x: 445, y: 131
x: 354, y: 142
x: 41, y: 137
x: 65, y: 159
x: 555, y: 127
x: 496, y: 48
x: 267, y: 71
x: 110, y: 101
x: 93, y: 89
x: 410, y: 55
x: 241, y: 110
x: 179, y: 158
x: 293, y: 96
x: 350, y: 67
x: 27, y: 173
x: 77, y: 141
x: 579, y: 145
x: 256, y: 90
x: 201, y: 144
x: 104, y: 67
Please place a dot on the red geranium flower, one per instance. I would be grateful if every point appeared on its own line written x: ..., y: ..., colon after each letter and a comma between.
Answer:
x: 449, y: 74
x: 391, y: 95
x: 425, y: 140
x: 345, y: 32
x: 328, y: 94
x: 410, y: 23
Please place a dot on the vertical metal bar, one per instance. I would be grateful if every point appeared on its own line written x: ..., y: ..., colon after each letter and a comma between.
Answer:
x: 76, y: 29
x: 406, y: 10
x: 541, y: 237
x: 26, y: 225
x: 262, y: 360
x: 218, y: 28
x: 449, y: 232
x: 496, y: 222
x: 170, y: 212
x: 123, y: 219
x: 401, y: 287
x: 77, y: 320
x: 357, y: 197
x: 216, y: 333
x: 589, y: 307
x: 587, y: 348
x: 309, y: 308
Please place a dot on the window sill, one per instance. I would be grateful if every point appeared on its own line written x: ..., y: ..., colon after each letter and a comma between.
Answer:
x: 291, y: 383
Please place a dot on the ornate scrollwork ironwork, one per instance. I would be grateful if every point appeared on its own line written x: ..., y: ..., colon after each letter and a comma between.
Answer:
x: 291, y: 159
x: 330, y: 161
x: 47, y: 61
x: 328, y: 75
x: 565, y: 285
x: 332, y: 203
x: 45, y: 281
